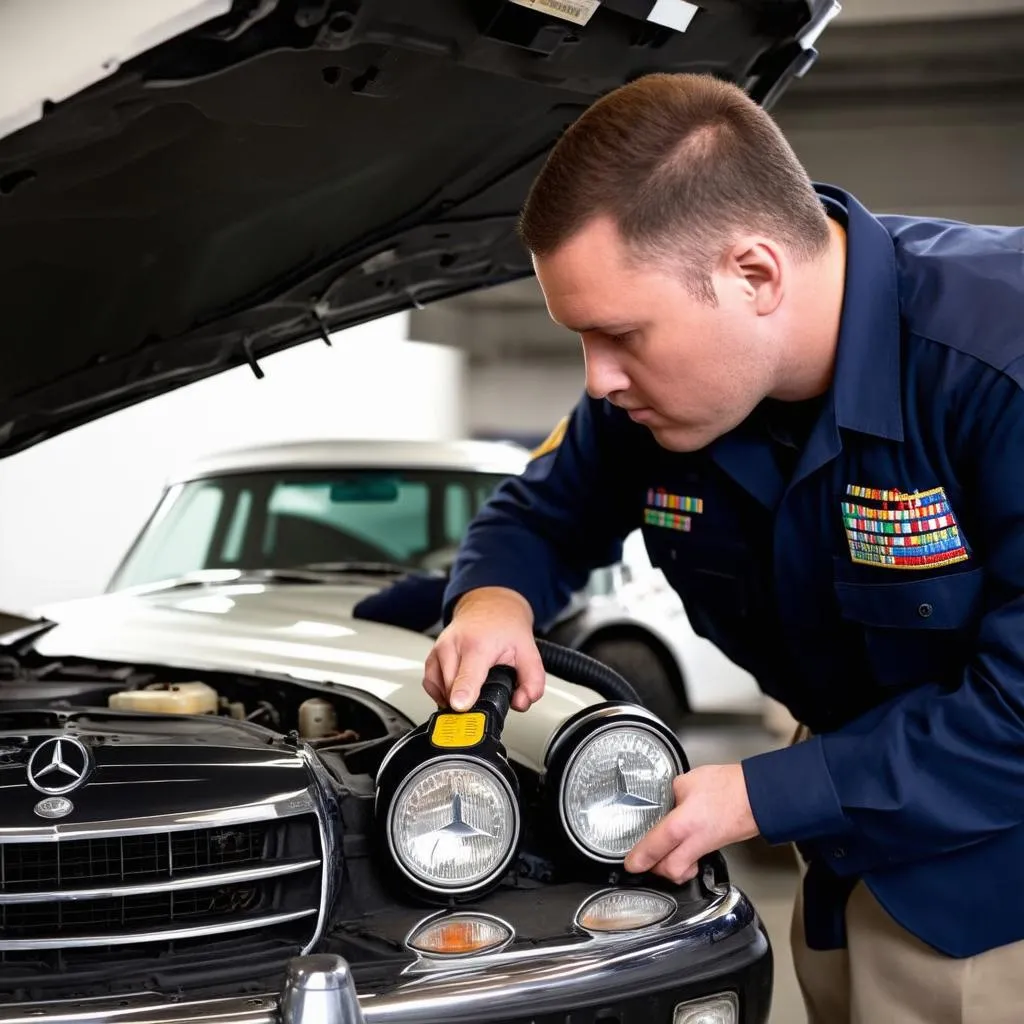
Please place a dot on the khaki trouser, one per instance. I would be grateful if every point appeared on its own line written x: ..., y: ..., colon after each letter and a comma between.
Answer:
x: 885, y: 975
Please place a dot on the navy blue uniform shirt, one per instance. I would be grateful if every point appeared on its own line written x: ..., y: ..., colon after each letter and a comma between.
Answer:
x: 868, y: 570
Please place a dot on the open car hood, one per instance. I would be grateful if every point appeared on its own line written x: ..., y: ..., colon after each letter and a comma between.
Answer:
x: 187, y: 186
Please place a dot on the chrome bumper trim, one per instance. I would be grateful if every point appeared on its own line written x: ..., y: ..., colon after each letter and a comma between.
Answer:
x: 523, y: 982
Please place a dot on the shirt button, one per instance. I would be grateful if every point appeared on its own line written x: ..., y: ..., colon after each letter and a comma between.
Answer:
x: 925, y: 610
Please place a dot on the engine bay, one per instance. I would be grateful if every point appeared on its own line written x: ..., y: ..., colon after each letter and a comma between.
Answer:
x: 202, y: 707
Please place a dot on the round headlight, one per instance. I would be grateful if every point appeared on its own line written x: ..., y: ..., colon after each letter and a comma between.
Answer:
x: 616, y: 785
x: 453, y: 825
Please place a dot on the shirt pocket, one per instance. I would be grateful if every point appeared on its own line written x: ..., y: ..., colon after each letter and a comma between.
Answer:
x: 915, y: 630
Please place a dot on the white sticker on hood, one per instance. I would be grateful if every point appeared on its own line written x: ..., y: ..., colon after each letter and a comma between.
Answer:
x: 675, y: 14
x: 577, y: 11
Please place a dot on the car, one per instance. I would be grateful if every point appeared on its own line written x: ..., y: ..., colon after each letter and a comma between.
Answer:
x: 214, y: 814
x: 373, y: 512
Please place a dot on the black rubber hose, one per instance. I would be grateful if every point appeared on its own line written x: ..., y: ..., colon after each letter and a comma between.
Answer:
x: 576, y: 667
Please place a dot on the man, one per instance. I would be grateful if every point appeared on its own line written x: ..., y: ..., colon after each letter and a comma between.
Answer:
x: 816, y: 417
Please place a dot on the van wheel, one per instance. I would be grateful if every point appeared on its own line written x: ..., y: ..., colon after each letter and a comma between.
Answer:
x: 658, y: 687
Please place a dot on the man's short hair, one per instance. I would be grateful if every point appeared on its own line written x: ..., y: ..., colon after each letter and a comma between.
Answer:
x: 680, y: 162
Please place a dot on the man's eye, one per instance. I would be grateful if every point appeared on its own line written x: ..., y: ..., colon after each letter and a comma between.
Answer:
x: 623, y: 337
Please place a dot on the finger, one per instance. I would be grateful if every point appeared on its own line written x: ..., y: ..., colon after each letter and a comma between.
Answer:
x: 657, y: 844
x: 679, y: 866
x: 448, y: 662
x: 472, y: 670
x: 433, y: 678
x: 530, y: 677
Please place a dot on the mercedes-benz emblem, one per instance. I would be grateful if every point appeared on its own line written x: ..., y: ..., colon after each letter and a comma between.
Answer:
x: 54, y: 807
x: 59, y: 765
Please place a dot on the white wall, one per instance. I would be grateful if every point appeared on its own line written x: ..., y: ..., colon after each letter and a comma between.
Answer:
x: 522, y: 397
x: 72, y: 505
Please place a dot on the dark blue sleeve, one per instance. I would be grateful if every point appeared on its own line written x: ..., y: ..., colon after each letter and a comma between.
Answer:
x: 935, y: 769
x: 543, y: 532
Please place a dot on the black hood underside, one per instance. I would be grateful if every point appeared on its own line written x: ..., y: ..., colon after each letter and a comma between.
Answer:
x: 296, y: 167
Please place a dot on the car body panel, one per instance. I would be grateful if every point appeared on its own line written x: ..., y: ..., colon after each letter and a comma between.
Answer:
x: 303, y: 631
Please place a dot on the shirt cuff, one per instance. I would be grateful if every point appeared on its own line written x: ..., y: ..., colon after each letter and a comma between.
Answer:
x: 792, y: 795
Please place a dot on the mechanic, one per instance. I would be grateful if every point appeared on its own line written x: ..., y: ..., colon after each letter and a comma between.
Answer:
x: 816, y: 416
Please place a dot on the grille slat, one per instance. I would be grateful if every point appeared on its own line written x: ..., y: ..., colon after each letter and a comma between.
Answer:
x: 158, y: 890
x: 108, y: 860
x: 166, y: 935
x: 273, y: 870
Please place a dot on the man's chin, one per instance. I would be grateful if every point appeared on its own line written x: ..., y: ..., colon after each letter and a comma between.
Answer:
x: 682, y: 438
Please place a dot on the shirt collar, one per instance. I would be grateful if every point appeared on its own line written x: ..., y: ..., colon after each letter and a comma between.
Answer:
x: 867, y: 385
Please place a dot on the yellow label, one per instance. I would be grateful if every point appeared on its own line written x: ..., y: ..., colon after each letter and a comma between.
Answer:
x: 577, y: 11
x: 464, y: 730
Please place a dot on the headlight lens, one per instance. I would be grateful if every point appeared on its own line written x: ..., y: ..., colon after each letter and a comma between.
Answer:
x: 454, y: 824
x: 617, y: 785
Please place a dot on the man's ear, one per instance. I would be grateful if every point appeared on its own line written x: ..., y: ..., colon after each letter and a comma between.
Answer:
x: 758, y: 266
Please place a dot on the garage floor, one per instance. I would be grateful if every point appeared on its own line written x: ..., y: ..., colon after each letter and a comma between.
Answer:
x: 768, y: 876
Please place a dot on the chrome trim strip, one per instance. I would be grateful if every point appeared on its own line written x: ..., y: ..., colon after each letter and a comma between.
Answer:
x: 273, y: 870
x: 166, y: 935
x: 283, y: 805
x: 612, y: 712
x: 329, y: 853
x: 523, y: 982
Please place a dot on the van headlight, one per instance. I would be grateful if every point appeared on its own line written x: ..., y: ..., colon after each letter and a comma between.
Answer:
x: 453, y: 825
x: 612, y: 768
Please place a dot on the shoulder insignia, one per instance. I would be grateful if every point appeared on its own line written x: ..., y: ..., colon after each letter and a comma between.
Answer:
x: 553, y: 440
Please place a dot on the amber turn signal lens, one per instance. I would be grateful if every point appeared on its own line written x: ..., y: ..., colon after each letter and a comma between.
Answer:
x: 460, y: 935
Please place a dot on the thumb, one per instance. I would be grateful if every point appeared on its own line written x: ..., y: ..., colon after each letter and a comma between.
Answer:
x: 472, y: 671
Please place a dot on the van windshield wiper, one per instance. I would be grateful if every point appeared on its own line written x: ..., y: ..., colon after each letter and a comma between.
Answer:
x: 353, y: 568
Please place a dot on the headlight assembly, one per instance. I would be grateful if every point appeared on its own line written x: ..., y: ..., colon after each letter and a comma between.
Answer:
x: 453, y: 824
x: 447, y: 802
x: 611, y: 770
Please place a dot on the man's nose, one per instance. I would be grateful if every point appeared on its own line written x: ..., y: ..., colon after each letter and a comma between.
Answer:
x: 604, y: 374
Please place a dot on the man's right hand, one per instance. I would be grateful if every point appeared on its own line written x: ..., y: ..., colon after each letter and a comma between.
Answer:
x: 490, y: 626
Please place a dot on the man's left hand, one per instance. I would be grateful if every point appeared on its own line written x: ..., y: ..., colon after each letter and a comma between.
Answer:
x: 712, y: 810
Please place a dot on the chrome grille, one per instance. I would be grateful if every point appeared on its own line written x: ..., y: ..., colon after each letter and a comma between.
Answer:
x: 162, y: 889
x: 115, y: 860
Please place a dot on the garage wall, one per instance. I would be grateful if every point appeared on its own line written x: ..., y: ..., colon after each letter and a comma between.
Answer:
x: 958, y: 156
x: 521, y: 398
x: 79, y: 499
